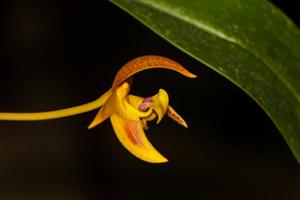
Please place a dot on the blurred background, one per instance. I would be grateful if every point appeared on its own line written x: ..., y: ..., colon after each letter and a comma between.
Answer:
x: 56, y: 54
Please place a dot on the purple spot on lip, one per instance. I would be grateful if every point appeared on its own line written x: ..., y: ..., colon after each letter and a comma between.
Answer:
x: 147, y: 100
x: 145, y: 105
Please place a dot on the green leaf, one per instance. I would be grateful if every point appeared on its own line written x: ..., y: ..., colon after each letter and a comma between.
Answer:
x: 250, y: 42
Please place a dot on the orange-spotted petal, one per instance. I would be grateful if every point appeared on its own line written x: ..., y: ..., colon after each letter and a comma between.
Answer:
x: 132, y: 136
x: 176, y: 117
x: 148, y: 62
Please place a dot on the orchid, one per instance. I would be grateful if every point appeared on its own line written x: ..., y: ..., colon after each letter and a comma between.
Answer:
x: 129, y: 114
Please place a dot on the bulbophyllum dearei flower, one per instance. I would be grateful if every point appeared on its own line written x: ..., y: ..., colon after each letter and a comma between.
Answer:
x: 128, y: 113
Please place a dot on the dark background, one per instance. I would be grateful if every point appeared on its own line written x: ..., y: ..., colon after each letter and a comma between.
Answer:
x: 65, y: 53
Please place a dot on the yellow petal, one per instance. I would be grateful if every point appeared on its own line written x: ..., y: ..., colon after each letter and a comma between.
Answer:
x: 102, y: 115
x: 104, y: 112
x: 135, y: 100
x: 114, y: 104
x: 176, y: 117
x: 118, y: 103
x: 132, y: 136
x: 144, y: 124
x: 151, y: 117
x: 160, y: 104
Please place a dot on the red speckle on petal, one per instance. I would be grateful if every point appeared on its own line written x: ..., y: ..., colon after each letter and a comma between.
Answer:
x: 130, y: 136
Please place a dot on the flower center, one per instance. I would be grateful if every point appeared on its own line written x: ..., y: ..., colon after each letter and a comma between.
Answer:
x: 145, y: 105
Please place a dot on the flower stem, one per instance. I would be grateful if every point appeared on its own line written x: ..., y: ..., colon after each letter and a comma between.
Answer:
x: 56, y: 113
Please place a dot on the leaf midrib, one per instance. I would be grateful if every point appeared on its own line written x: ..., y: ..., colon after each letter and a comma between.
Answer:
x: 225, y: 37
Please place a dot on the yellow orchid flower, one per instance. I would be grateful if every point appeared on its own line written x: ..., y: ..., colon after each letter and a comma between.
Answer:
x: 129, y: 114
